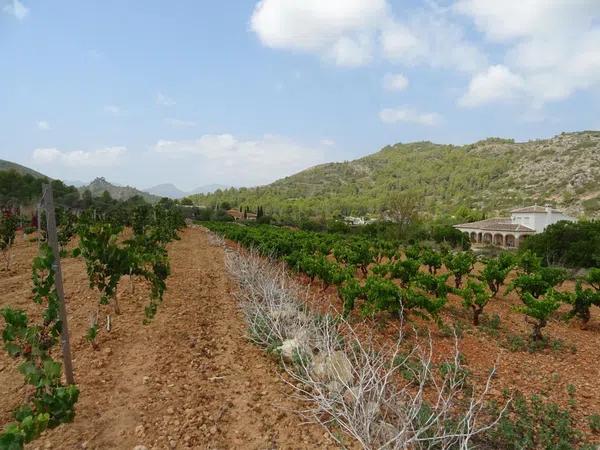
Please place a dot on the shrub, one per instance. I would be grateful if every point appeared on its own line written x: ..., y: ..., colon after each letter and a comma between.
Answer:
x: 538, y: 310
x: 594, y: 423
x: 531, y: 424
x: 459, y: 264
x: 581, y: 300
x: 475, y: 296
x: 573, y: 244
x: 496, y: 270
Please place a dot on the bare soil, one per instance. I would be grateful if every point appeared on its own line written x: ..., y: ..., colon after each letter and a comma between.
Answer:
x: 189, y: 379
x: 571, y: 356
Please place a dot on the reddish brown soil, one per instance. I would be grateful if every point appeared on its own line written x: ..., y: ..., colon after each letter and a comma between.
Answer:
x: 189, y: 379
x: 574, y: 359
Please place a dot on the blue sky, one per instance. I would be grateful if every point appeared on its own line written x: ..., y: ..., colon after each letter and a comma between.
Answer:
x: 244, y: 92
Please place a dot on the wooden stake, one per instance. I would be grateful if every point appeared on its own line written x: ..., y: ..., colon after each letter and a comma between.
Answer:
x: 53, y: 241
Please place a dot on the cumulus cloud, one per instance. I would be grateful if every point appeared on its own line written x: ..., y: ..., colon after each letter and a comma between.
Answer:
x: 551, y: 47
x: 340, y: 30
x: 497, y: 83
x: 104, y: 157
x: 409, y: 115
x: 164, y: 100
x: 43, y: 125
x: 248, y: 162
x: 395, y: 82
x: 16, y: 8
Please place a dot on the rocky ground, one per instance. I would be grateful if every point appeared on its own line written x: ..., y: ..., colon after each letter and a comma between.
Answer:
x: 189, y: 379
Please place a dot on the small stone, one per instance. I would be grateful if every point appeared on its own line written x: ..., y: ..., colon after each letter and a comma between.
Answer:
x: 146, y: 380
x: 139, y: 430
x: 140, y: 447
x: 212, y: 430
x: 170, y: 410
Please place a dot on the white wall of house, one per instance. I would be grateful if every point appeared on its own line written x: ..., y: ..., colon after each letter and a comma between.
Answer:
x: 540, y: 220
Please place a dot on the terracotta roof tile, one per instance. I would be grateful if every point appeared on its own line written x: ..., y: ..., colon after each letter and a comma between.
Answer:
x: 496, y: 224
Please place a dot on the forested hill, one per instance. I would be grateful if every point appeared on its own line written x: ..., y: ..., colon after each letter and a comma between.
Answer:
x: 7, y: 165
x: 493, y: 175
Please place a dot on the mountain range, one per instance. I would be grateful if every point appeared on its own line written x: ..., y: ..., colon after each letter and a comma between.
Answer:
x: 171, y: 191
x: 99, y: 185
x: 492, y: 175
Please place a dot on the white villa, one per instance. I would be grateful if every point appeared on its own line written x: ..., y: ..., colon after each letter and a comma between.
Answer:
x: 511, y: 231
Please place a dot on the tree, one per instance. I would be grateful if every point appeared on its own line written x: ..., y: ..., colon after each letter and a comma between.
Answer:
x: 571, y: 244
x: 403, y: 207
x: 8, y: 230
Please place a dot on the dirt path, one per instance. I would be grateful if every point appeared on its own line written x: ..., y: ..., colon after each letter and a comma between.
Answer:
x: 190, y: 379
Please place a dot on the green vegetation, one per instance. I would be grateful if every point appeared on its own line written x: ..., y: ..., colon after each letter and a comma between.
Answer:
x: 567, y: 244
x: 52, y: 402
x: 109, y: 254
x: 109, y: 257
x: 491, y: 175
x: 531, y: 424
x: 8, y: 229
x: 375, y: 275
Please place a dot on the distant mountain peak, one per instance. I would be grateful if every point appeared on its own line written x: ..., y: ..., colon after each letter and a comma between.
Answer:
x: 100, y: 184
x: 171, y: 191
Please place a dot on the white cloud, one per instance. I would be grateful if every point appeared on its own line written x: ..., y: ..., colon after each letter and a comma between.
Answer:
x: 178, y: 123
x: 43, y: 125
x: 409, y: 115
x: 395, y: 82
x: 164, y: 100
x: 339, y: 30
x: 353, y: 32
x: 430, y: 39
x: 497, y: 83
x: 104, y: 157
x: 17, y: 9
x: 248, y: 162
x: 512, y: 19
x: 552, y: 47
x: 327, y: 142
x: 113, y: 109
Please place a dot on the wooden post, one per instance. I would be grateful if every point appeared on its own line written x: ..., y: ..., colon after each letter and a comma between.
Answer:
x: 48, y: 200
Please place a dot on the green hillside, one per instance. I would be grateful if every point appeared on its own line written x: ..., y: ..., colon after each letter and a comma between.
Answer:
x: 7, y: 165
x: 491, y: 175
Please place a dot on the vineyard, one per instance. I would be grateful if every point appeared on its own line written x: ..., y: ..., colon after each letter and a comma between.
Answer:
x: 109, y: 254
x: 380, y: 276
x: 510, y: 305
x: 478, y: 348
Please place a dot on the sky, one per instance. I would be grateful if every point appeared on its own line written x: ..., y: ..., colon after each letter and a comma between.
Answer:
x: 240, y: 92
